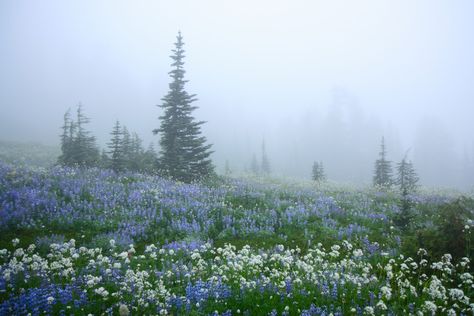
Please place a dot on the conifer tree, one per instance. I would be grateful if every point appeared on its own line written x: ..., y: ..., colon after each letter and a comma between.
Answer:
x: 149, y: 161
x: 116, y: 150
x: 77, y: 145
x: 66, y: 140
x: 104, y: 159
x: 407, y: 180
x: 265, y: 162
x: 318, y: 174
x: 126, y: 144
x: 136, y: 153
x: 383, y: 169
x: 85, y: 150
x: 184, y: 153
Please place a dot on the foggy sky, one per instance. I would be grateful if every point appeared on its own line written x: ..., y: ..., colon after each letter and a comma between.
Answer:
x: 315, y: 79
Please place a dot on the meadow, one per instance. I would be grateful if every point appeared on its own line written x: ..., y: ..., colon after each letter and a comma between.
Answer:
x: 90, y: 241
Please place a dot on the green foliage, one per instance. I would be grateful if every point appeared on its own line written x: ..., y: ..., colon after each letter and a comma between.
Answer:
x: 407, y: 179
x: 116, y: 150
x: 184, y: 153
x: 78, y: 147
x: 127, y: 153
x: 383, y: 169
x: 446, y: 231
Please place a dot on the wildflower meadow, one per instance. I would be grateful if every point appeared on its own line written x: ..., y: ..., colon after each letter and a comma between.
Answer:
x: 91, y: 242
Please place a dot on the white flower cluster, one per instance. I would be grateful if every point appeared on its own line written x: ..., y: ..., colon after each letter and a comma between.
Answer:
x: 155, y: 276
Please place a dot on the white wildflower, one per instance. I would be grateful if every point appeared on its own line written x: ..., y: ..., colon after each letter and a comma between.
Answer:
x: 369, y: 310
x: 381, y: 305
x: 358, y: 253
x: 386, y: 292
x: 15, y: 242
x: 123, y: 310
x: 430, y: 307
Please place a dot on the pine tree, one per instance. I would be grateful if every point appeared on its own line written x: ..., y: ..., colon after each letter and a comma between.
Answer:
x: 85, y: 150
x: 126, y: 145
x: 77, y: 145
x: 149, y: 160
x: 117, y: 154
x: 318, y: 174
x: 383, y: 169
x: 104, y: 159
x: 136, y: 152
x: 265, y: 162
x: 66, y: 140
x: 407, y: 180
x: 184, y: 153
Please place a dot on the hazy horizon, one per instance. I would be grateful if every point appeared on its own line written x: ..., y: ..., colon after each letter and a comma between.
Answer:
x: 317, y: 80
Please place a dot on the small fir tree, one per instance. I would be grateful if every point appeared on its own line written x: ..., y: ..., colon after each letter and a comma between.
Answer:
x: 116, y: 150
x: 407, y: 180
x: 318, y: 174
x: 149, y: 160
x: 86, y: 152
x: 383, y: 169
x: 78, y: 146
x: 66, y: 140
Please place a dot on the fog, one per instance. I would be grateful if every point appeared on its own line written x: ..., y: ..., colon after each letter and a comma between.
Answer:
x: 316, y: 80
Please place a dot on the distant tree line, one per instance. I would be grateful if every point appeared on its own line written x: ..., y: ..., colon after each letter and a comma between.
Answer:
x: 125, y: 150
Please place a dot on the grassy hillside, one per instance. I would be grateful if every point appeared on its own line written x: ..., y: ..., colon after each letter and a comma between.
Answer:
x: 91, y: 241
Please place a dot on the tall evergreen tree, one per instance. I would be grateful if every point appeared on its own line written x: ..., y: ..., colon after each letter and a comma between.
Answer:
x: 265, y: 162
x: 184, y: 153
x: 383, y: 169
x: 116, y: 150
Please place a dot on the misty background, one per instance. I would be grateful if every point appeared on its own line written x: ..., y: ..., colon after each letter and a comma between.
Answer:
x: 316, y: 80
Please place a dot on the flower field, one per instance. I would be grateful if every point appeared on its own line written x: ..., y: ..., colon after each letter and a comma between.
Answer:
x: 92, y: 242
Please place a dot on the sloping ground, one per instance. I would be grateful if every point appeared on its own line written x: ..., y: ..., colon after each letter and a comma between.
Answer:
x: 90, y: 241
x: 28, y: 154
